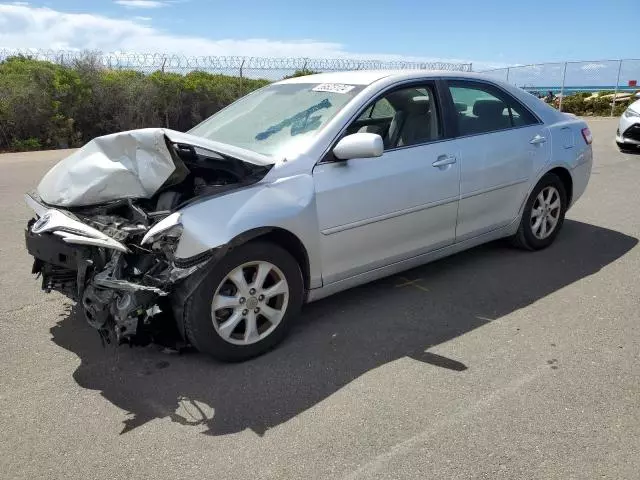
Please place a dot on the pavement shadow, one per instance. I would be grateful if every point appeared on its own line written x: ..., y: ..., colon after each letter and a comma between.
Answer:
x: 337, y: 339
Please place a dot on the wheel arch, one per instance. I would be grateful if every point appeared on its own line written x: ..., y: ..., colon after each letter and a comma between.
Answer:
x: 283, y: 238
x: 565, y: 177
x: 567, y: 181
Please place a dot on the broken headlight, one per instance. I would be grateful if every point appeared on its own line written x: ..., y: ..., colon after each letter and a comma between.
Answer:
x: 165, y: 234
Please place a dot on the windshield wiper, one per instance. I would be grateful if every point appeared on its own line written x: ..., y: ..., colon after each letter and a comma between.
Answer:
x: 293, y: 120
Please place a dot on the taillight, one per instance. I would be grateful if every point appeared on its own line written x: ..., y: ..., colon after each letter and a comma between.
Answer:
x: 586, y: 134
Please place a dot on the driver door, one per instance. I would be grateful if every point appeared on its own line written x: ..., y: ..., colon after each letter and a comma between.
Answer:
x: 373, y: 212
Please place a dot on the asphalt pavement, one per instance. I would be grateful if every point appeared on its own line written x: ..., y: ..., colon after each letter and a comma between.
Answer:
x: 492, y: 364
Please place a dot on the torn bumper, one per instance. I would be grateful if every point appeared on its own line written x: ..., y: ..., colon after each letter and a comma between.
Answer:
x: 73, y: 231
x: 58, y: 263
x: 127, y: 291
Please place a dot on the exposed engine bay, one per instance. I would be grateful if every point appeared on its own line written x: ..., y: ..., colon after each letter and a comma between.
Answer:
x: 117, y: 258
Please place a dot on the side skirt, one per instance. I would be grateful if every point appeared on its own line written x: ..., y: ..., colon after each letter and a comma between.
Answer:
x: 335, y: 287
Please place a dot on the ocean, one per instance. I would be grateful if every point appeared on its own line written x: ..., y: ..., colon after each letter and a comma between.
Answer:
x: 576, y: 89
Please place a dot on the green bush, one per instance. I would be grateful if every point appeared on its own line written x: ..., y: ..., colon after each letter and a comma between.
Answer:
x: 302, y: 73
x: 44, y: 105
x: 622, y: 106
x: 585, y: 105
x: 37, y: 100
x: 573, y: 104
x: 26, y: 145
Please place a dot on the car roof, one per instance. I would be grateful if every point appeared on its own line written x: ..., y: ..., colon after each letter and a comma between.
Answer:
x: 367, y: 77
x: 383, y: 78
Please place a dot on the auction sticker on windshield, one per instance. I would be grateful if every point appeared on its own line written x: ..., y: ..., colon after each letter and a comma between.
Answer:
x: 333, y: 88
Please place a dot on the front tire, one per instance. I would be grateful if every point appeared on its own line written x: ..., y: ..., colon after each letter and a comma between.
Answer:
x: 543, y: 214
x: 247, y: 304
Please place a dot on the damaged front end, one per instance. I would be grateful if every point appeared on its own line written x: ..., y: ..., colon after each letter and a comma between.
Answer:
x: 112, y: 248
x: 97, y: 257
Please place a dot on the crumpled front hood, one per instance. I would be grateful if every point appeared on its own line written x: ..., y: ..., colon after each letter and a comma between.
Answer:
x: 132, y: 164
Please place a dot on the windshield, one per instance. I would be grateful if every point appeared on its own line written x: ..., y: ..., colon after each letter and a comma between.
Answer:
x: 272, y: 120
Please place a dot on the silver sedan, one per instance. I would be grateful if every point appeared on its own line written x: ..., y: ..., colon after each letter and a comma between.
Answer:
x: 301, y: 189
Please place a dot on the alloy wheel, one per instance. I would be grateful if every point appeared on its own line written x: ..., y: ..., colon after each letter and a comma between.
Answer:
x: 250, y: 302
x: 545, y: 213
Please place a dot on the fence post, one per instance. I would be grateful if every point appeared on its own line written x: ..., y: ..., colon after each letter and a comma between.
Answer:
x: 564, y: 76
x: 508, y: 70
x: 241, y: 82
x: 166, y: 110
x: 615, y: 94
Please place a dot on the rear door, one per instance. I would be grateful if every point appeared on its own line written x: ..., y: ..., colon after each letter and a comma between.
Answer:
x: 502, y: 144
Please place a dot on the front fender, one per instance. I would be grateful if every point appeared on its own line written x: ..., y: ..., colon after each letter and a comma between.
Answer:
x: 287, y: 203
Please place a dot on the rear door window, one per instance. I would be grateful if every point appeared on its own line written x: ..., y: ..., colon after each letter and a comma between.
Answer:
x: 483, y: 108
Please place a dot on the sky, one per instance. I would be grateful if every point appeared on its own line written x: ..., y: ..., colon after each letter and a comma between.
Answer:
x: 487, y: 33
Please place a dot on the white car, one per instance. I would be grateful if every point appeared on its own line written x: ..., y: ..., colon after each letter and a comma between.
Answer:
x: 299, y: 190
x: 628, y: 134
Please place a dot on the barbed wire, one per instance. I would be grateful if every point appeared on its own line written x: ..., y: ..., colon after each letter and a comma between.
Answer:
x: 182, y: 63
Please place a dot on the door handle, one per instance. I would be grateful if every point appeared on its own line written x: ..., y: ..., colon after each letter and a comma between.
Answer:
x: 537, y: 140
x: 444, y: 160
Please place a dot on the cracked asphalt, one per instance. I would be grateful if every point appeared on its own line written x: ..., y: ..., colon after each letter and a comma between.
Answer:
x: 492, y: 364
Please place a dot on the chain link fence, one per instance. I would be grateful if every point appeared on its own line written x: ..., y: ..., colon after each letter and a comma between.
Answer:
x: 613, y: 80
x: 246, y: 67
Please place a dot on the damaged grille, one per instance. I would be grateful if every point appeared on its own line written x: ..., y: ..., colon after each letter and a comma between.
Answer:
x: 59, y: 279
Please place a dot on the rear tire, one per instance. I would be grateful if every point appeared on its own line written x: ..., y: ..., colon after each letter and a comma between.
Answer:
x: 543, y: 214
x: 247, y: 304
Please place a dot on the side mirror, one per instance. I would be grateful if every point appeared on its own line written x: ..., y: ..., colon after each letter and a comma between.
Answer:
x: 359, y: 145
